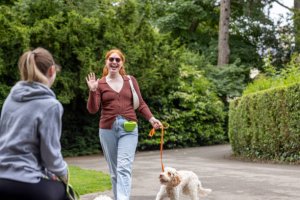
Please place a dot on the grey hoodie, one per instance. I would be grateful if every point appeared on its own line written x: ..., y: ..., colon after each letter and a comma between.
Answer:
x: 30, y: 130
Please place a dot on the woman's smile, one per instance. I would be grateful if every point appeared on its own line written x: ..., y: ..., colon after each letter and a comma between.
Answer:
x: 114, y: 65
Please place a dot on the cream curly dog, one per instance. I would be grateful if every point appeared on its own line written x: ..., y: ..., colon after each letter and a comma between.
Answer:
x: 174, y: 182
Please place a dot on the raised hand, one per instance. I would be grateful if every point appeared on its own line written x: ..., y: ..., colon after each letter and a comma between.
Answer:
x: 92, y: 82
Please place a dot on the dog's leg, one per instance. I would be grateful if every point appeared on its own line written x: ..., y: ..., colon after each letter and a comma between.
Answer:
x: 162, y: 193
x: 194, y: 194
x: 192, y: 190
x: 174, y: 195
x: 203, y: 191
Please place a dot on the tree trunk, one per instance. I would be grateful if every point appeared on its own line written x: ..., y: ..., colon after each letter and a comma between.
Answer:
x: 297, y: 4
x: 223, y: 46
x: 296, y: 24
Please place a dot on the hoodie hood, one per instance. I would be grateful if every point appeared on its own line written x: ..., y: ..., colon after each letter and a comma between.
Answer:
x: 27, y: 91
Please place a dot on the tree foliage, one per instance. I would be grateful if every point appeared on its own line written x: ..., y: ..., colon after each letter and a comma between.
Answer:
x: 170, y: 47
x: 78, y: 33
x: 194, y: 99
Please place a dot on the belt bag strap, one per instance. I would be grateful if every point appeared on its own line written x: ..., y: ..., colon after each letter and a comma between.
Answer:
x: 136, y: 101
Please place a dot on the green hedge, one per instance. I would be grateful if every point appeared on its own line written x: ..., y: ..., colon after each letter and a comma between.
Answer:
x: 265, y: 125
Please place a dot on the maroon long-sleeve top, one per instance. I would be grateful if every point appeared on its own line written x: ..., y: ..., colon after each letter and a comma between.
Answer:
x: 113, y: 103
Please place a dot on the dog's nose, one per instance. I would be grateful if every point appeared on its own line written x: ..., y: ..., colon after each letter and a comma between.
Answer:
x: 160, y: 175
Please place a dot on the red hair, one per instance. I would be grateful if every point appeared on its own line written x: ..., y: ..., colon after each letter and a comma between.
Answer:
x: 119, y: 52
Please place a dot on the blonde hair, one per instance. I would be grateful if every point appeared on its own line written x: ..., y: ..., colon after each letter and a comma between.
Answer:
x: 119, y: 52
x: 34, y: 65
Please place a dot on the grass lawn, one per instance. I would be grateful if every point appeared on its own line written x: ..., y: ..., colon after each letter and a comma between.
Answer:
x: 89, y: 181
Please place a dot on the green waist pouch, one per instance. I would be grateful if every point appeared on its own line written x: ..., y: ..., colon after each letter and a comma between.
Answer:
x: 129, y: 126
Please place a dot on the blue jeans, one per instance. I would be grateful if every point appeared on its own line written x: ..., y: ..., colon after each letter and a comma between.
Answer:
x: 119, y: 149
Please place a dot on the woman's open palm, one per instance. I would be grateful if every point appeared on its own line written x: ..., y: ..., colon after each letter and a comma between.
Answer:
x: 92, y: 82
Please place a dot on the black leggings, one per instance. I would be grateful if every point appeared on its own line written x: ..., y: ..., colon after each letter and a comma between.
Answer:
x: 44, y: 190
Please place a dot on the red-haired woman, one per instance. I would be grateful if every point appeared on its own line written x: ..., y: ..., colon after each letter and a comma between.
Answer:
x: 113, y: 93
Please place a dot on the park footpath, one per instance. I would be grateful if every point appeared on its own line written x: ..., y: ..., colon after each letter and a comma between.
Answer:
x: 228, y: 178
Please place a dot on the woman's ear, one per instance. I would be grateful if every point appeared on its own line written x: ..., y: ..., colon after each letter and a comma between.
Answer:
x: 51, y: 75
x: 51, y: 71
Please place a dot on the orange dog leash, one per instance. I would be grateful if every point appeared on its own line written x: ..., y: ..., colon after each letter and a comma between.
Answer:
x: 151, y: 133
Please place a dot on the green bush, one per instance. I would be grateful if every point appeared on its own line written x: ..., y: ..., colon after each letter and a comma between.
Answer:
x: 265, y: 125
x: 194, y: 112
x: 273, y: 79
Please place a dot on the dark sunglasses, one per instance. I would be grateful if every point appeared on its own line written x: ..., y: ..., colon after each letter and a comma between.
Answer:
x: 111, y: 59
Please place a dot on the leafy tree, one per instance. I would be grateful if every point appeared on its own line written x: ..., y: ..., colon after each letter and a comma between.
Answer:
x: 6, y: 2
x: 78, y: 36
x: 14, y: 38
x: 194, y: 23
x: 195, y: 113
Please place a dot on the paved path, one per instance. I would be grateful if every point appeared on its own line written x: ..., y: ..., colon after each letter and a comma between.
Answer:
x: 229, y: 179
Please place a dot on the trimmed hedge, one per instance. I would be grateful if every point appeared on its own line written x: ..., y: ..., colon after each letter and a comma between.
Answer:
x: 265, y: 125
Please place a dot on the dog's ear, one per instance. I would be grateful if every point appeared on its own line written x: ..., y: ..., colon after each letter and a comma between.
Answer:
x: 176, y: 180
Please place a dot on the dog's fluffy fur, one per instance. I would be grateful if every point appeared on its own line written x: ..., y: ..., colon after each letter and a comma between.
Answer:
x: 103, y: 197
x: 174, y: 182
